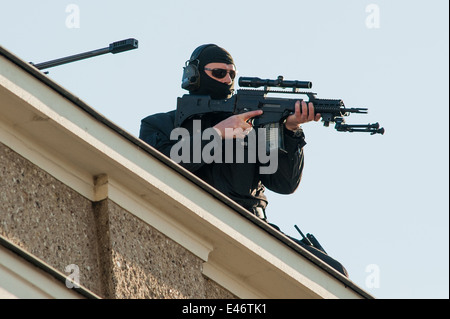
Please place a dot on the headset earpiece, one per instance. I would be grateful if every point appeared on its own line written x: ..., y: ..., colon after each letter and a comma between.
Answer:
x: 191, y: 73
x: 191, y: 77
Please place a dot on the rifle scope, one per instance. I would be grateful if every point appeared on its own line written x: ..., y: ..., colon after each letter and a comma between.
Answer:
x: 280, y: 82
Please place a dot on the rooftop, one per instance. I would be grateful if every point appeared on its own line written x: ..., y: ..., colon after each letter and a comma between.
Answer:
x: 62, y: 135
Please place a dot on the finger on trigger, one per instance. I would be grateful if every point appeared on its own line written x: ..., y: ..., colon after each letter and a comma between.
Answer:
x: 248, y: 115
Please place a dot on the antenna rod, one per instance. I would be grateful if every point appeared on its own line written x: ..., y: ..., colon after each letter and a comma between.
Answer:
x: 115, y: 47
x: 306, y: 239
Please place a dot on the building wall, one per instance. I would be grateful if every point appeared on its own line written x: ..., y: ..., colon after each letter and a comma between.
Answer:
x: 118, y: 255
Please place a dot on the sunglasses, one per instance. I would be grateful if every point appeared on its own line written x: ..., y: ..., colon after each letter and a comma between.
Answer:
x: 221, y: 73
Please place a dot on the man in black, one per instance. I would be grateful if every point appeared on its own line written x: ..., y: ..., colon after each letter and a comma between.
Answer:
x: 211, y: 71
x: 242, y: 182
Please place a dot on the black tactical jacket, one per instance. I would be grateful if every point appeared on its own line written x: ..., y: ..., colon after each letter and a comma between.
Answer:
x: 241, y: 182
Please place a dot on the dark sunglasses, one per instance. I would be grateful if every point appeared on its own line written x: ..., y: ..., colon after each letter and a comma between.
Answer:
x: 221, y: 73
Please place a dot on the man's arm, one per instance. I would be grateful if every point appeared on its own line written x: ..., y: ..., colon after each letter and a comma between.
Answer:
x: 156, y: 130
x: 290, y: 163
x: 290, y: 166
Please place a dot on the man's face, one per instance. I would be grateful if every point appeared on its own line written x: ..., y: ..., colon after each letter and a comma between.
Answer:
x: 217, y: 70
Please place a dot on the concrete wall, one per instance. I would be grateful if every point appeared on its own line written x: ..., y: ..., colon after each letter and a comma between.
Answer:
x: 119, y: 256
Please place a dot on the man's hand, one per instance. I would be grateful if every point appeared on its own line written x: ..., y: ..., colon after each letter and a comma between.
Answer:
x: 303, y: 114
x: 236, y: 126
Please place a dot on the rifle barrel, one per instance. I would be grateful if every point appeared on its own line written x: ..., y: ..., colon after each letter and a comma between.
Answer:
x: 72, y: 58
x: 356, y: 110
x: 115, y: 47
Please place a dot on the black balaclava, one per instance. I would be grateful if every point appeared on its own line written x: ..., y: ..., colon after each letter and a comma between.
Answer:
x: 208, y: 85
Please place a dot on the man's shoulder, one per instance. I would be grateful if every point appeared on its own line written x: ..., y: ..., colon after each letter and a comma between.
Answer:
x: 160, y: 119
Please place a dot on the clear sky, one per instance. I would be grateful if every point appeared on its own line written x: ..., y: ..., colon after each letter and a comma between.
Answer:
x: 378, y: 204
